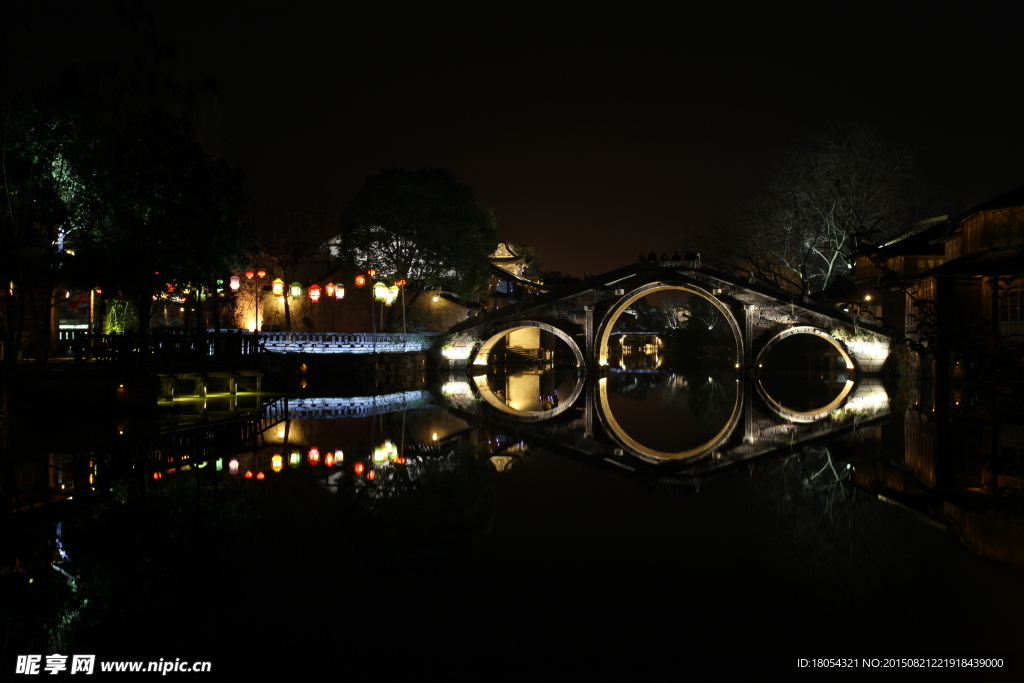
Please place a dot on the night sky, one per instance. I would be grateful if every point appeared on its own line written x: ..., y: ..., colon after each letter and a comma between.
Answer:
x: 593, y: 133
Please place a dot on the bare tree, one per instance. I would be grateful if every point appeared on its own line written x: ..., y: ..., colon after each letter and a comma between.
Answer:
x: 822, y: 200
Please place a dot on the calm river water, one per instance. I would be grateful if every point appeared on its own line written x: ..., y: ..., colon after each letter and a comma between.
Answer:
x: 666, y: 517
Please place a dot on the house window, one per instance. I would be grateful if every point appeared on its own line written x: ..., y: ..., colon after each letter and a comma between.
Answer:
x: 1010, y: 301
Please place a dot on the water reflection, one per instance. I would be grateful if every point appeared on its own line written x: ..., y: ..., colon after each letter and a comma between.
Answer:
x: 408, y: 484
x: 536, y: 393
x: 667, y: 415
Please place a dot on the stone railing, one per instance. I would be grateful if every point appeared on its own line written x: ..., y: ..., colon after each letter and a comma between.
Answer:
x: 357, y: 406
x: 342, y: 342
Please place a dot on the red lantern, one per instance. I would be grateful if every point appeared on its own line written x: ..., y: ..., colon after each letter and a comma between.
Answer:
x: 360, y: 280
x: 157, y: 475
x: 329, y: 289
x: 314, y: 455
x: 314, y: 293
x: 260, y: 475
x: 261, y: 273
x: 359, y: 468
x: 329, y: 459
x: 248, y: 474
x: 249, y: 274
x: 371, y: 272
x: 371, y: 475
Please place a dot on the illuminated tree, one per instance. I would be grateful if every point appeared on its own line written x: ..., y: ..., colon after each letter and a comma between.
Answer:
x: 422, y: 226
x: 822, y: 201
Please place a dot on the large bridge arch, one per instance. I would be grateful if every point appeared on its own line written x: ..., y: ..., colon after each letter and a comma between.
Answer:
x: 823, y: 411
x: 496, y: 334
x: 616, y: 311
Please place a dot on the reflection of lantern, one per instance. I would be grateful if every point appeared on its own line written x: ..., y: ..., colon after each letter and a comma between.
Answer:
x: 276, y: 462
x: 278, y: 287
x: 295, y: 458
x: 314, y: 293
x: 261, y: 273
x: 339, y: 292
x: 339, y: 456
x: 233, y: 466
x: 314, y: 455
x: 329, y: 459
x: 158, y: 475
x: 329, y: 290
x: 249, y: 274
x: 381, y: 291
x: 235, y: 283
x: 359, y: 468
x: 360, y: 280
x: 296, y: 290
x: 371, y: 475
x: 400, y: 460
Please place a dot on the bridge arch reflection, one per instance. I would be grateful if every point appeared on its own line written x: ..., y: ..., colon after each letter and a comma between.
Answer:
x: 508, y: 410
x: 632, y: 444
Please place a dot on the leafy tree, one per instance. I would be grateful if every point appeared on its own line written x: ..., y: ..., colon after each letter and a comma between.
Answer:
x: 422, y: 226
x: 821, y: 202
x: 38, y: 137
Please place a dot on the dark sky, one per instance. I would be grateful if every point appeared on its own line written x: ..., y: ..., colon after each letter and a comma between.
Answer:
x: 593, y: 134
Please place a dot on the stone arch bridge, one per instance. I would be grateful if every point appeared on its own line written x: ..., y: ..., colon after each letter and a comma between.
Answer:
x: 583, y: 316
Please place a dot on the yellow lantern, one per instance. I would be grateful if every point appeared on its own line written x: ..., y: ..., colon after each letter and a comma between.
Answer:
x: 276, y: 462
x: 381, y: 291
x: 329, y: 290
x: 277, y: 286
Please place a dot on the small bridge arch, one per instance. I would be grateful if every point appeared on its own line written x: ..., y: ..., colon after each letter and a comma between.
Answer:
x: 822, y: 411
x: 496, y: 334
